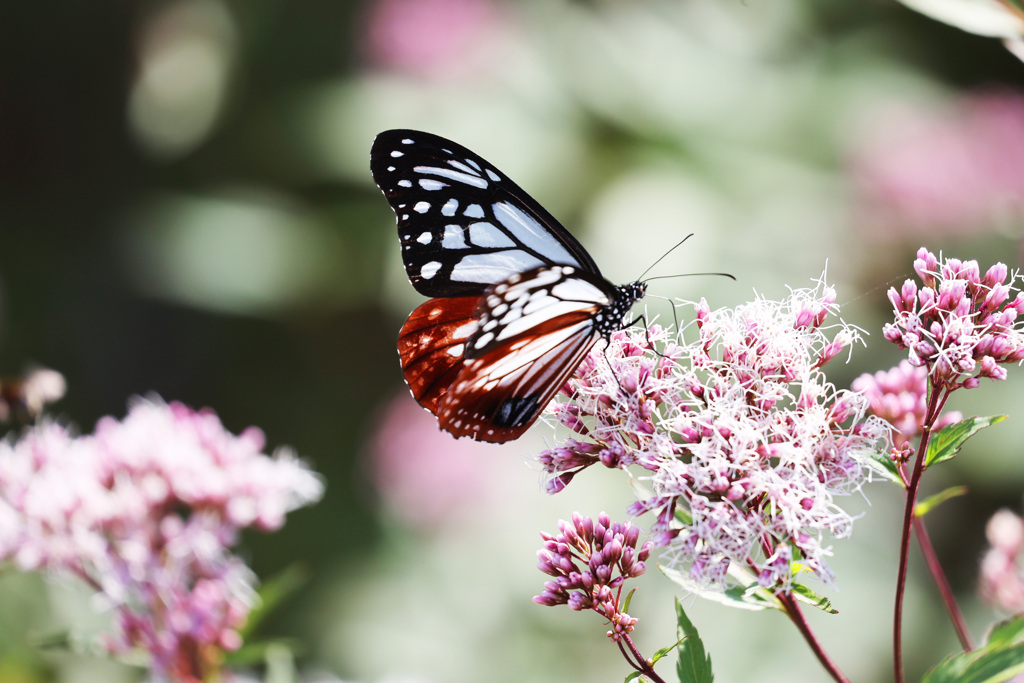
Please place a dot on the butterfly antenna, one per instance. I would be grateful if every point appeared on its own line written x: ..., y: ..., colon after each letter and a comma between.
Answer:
x: 662, y: 257
x: 665, y: 277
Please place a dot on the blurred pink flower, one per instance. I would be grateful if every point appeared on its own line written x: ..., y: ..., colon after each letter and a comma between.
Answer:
x: 424, y: 475
x: 1001, y: 579
x: 949, y: 170
x: 431, y: 37
x: 145, y: 510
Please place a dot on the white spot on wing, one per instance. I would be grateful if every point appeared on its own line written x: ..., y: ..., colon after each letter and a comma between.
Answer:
x: 454, y: 237
x: 474, y: 211
x: 483, y: 340
x: 424, y: 238
x: 405, y: 183
x: 485, y: 234
x: 465, y: 330
x: 421, y: 207
x: 450, y: 207
x: 531, y: 233
x: 493, y: 176
x: 428, y: 184
x: 454, y: 176
x: 396, y: 154
x: 430, y: 269
x: 474, y: 169
x: 580, y: 290
x: 492, y: 268
x: 456, y: 350
x: 407, y: 141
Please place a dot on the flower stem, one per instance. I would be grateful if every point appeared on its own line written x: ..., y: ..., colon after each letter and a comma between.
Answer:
x: 641, y: 664
x: 955, y: 615
x: 797, y: 616
x: 935, y: 400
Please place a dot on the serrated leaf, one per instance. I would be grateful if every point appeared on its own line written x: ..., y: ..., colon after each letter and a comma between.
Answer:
x: 809, y: 597
x: 694, y: 664
x: 752, y: 597
x: 931, y: 502
x: 886, y: 467
x: 946, y: 443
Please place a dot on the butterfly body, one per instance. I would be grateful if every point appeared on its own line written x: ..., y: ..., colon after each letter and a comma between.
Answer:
x: 517, y: 301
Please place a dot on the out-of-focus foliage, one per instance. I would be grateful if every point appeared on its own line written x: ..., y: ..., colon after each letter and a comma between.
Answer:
x: 186, y: 208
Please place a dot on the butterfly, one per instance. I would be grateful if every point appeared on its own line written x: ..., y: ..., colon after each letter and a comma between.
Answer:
x: 517, y: 302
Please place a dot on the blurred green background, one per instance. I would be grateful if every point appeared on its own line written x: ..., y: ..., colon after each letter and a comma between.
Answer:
x: 186, y: 208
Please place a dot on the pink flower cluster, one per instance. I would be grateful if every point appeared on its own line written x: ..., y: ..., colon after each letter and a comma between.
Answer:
x: 590, y: 561
x: 1001, y: 580
x: 745, y: 442
x: 899, y: 397
x: 146, y: 510
x: 960, y: 325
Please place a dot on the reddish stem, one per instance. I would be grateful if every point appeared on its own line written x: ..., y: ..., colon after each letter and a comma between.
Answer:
x: 955, y: 615
x: 792, y: 608
x: 935, y: 400
x: 641, y: 664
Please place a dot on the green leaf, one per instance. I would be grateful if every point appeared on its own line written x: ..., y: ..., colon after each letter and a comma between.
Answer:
x: 887, y: 467
x: 257, y: 652
x: 749, y: 596
x: 1009, y: 631
x: 694, y: 664
x: 979, y: 666
x: 633, y: 676
x: 931, y: 502
x: 809, y: 597
x: 683, y: 516
x: 946, y: 443
x: 665, y: 650
x: 629, y: 599
x: 57, y: 640
x: 1000, y: 659
x: 273, y: 592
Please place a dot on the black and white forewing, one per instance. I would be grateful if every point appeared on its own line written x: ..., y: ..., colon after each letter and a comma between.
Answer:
x: 464, y: 226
